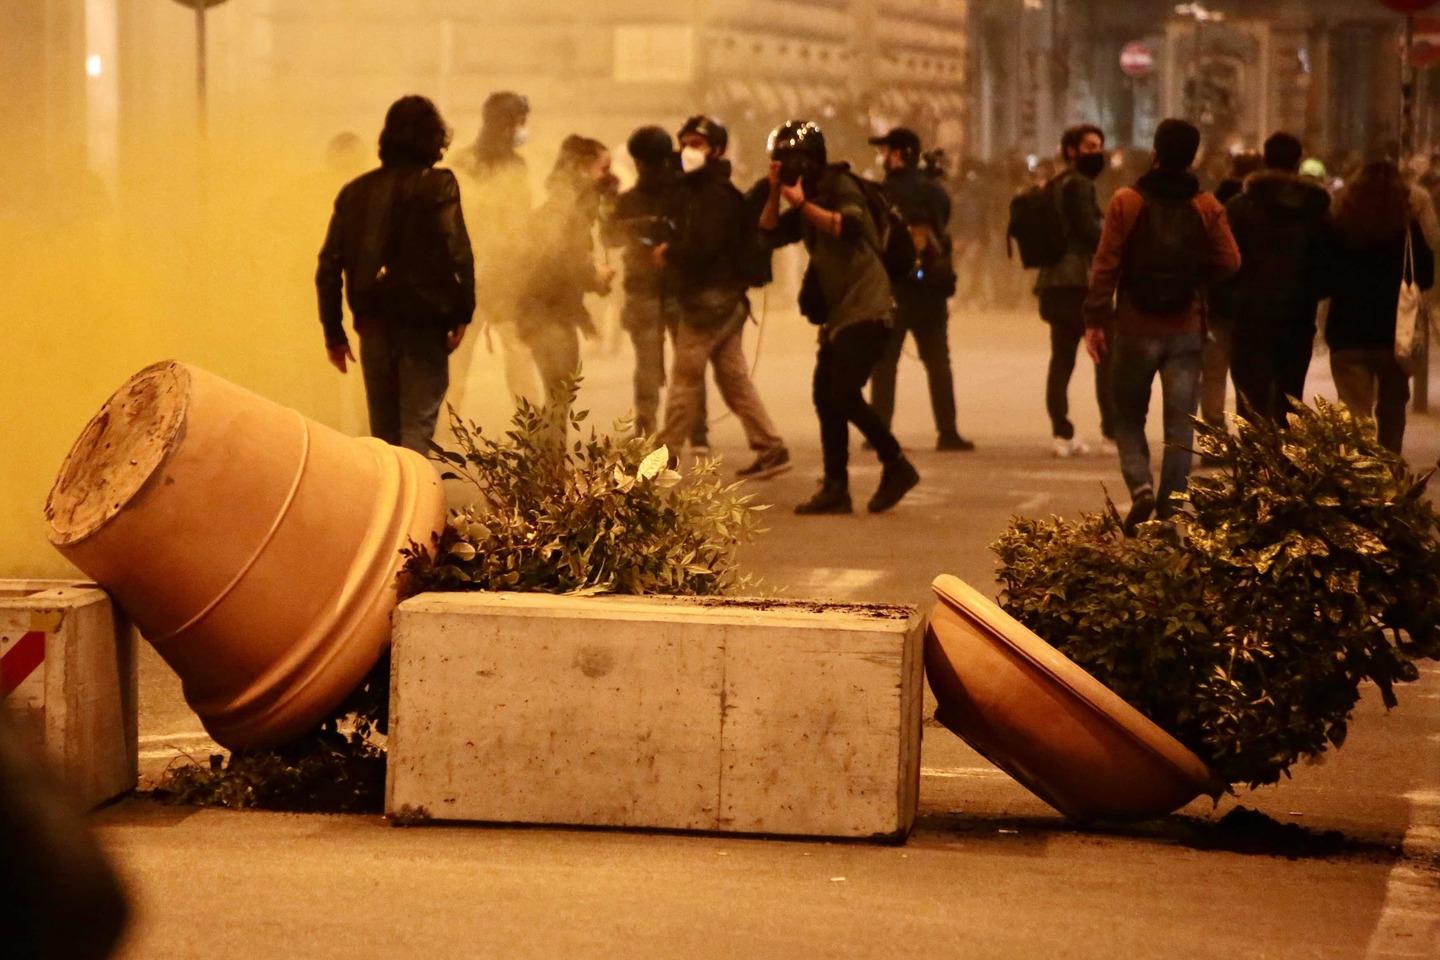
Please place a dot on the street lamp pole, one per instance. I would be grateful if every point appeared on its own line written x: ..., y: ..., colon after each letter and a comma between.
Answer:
x: 201, y: 56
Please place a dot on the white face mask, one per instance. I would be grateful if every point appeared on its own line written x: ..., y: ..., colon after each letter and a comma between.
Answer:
x: 692, y: 159
x: 522, y: 137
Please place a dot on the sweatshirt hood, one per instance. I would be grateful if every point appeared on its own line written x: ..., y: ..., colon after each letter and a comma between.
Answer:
x: 1286, y: 193
x: 1169, y: 185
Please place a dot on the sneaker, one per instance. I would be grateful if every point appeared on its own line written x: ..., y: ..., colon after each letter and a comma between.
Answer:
x: 768, y: 464
x: 1107, y: 447
x: 896, y: 480
x: 1142, y: 506
x: 1065, y: 449
x: 954, y: 443
x: 833, y: 498
x: 700, y: 451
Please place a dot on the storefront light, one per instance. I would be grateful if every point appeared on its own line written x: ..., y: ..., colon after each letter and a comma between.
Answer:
x: 94, y: 65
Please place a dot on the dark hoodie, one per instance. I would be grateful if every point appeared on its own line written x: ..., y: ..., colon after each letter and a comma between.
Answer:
x: 644, y: 215
x: 1279, y: 223
x: 706, y: 252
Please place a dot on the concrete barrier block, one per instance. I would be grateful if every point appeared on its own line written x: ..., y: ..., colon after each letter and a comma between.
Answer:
x: 768, y: 717
x: 68, y: 682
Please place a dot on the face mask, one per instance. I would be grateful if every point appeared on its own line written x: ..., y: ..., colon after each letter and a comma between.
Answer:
x: 522, y: 137
x: 1090, y: 164
x: 692, y: 159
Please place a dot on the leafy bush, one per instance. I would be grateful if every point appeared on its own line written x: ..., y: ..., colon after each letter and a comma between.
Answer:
x: 601, y: 515
x: 1310, y: 564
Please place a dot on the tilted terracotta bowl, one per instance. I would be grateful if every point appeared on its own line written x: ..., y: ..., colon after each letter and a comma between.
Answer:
x: 1038, y: 716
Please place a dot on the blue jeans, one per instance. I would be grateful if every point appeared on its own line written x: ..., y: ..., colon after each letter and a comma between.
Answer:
x: 1176, y: 357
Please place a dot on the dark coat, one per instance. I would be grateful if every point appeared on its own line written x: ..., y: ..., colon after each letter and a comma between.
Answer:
x: 1279, y: 222
x: 1364, y: 287
x: 559, y: 263
x: 409, y: 214
x: 713, y: 222
x: 645, y: 216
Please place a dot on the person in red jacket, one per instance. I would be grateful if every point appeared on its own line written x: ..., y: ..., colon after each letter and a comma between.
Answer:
x: 1164, y: 245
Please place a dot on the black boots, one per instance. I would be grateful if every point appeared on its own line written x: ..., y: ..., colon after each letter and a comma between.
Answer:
x: 833, y: 498
x: 896, y: 480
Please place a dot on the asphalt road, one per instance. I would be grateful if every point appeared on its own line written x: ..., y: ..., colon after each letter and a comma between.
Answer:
x: 990, y: 871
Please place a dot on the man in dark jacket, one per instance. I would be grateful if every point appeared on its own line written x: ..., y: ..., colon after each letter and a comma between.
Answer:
x: 397, y: 246
x: 705, y: 260
x: 1279, y: 222
x: 1061, y: 287
x: 921, y: 299
x: 846, y: 293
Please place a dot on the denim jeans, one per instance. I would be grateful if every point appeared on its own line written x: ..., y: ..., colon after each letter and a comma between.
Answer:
x: 407, y: 371
x: 926, y: 320
x: 1136, y: 361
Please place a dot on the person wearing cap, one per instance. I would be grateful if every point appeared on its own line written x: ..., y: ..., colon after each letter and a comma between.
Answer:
x: 921, y: 299
x: 705, y: 262
x: 846, y: 293
x: 498, y: 205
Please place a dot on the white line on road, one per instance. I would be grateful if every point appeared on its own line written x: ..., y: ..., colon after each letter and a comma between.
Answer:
x: 167, y: 737
x: 833, y: 578
x: 953, y: 773
x: 1032, y: 503
x: 1409, y: 924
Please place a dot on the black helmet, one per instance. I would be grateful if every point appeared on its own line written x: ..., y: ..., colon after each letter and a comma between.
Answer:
x: 800, y: 136
x: 505, y: 107
x: 650, y: 145
x: 711, y: 129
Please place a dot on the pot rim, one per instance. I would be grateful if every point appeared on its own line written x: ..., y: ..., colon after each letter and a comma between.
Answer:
x: 1100, y: 699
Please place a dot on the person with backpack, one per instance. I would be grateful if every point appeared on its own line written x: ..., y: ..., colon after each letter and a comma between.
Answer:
x: 1164, y: 246
x: 1220, y: 323
x: 855, y: 246
x: 1280, y: 222
x: 1057, y: 227
x: 1376, y: 243
x: 706, y: 261
x: 922, y: 296
x: 398, y: 248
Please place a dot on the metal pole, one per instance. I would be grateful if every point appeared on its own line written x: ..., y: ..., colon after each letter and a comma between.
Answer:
x: 1407, y: 149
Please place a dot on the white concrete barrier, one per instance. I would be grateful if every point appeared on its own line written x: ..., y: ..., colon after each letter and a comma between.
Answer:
x: 771, y: 717
x: 68, y: 682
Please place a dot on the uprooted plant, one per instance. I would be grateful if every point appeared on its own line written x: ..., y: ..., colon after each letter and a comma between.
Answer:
x: 596, y: 515
x: 1310, y: 564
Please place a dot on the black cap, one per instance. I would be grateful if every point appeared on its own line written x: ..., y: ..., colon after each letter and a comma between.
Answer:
x: 900, y: 138
x: 650, y: 145
x: 711, y: 129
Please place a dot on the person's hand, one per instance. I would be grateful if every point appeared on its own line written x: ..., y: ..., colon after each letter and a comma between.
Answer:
x: 657, y: 255
x: 794, y: 194
x: 454, y: 337
x: 338, y: 354
x: 774, y: 175
x: 605, y: 279
x: 1095, y: 344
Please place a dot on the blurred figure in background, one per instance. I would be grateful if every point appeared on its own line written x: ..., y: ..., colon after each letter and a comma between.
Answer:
x: 1279, y: 222
x: 498, y: 203
x: 1215, y: 358
x: 646, y: 217
x: 922, y: 298
x: 1373, y: 236
x: 1061, y: 287
x: 397, y: 245
x: 559, y: 267
x: 707, y: 259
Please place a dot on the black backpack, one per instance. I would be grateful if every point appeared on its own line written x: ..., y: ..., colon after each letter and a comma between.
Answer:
x: 897, y: 248
x: 1037, y: 226
x: 1163, y: 267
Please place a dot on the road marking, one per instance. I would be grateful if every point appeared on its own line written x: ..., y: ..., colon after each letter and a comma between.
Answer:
x: 184, y: 735
x: 834, y: 578
x: 956, y: 773
x: 1068, y: 475
x: 1409, y: 924
x: 1032, y: 503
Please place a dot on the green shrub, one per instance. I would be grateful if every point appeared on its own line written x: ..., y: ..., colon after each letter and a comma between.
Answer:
x: 601, y: 515
x: 1310, y: 565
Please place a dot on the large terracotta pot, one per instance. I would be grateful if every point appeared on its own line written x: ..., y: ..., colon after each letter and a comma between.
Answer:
x: 1038, y: 716
x: 255, y: 549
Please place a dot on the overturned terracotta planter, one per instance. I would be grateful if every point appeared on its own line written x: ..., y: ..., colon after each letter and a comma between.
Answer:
x: 255, y: 549
x: 1038, y: 716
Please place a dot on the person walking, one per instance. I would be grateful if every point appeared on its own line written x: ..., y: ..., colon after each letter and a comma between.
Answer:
x: 1215, y: 357
x: 398, y: 248
x: 1062, y: 286
x: 1164, y: 245
x: 498, y: 204
x: 645, y: 217
x: 1280, y: 224
x: 560, y: 268
x: 921, y: 299
x: 706, y: 260
x: 846, y: 293
x: 1374, y: 241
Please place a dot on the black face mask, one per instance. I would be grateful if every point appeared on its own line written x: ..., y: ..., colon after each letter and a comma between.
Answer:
x: 1090, y: 164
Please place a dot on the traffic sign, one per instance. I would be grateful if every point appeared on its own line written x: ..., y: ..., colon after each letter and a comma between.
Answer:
x: 1136, y: 60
